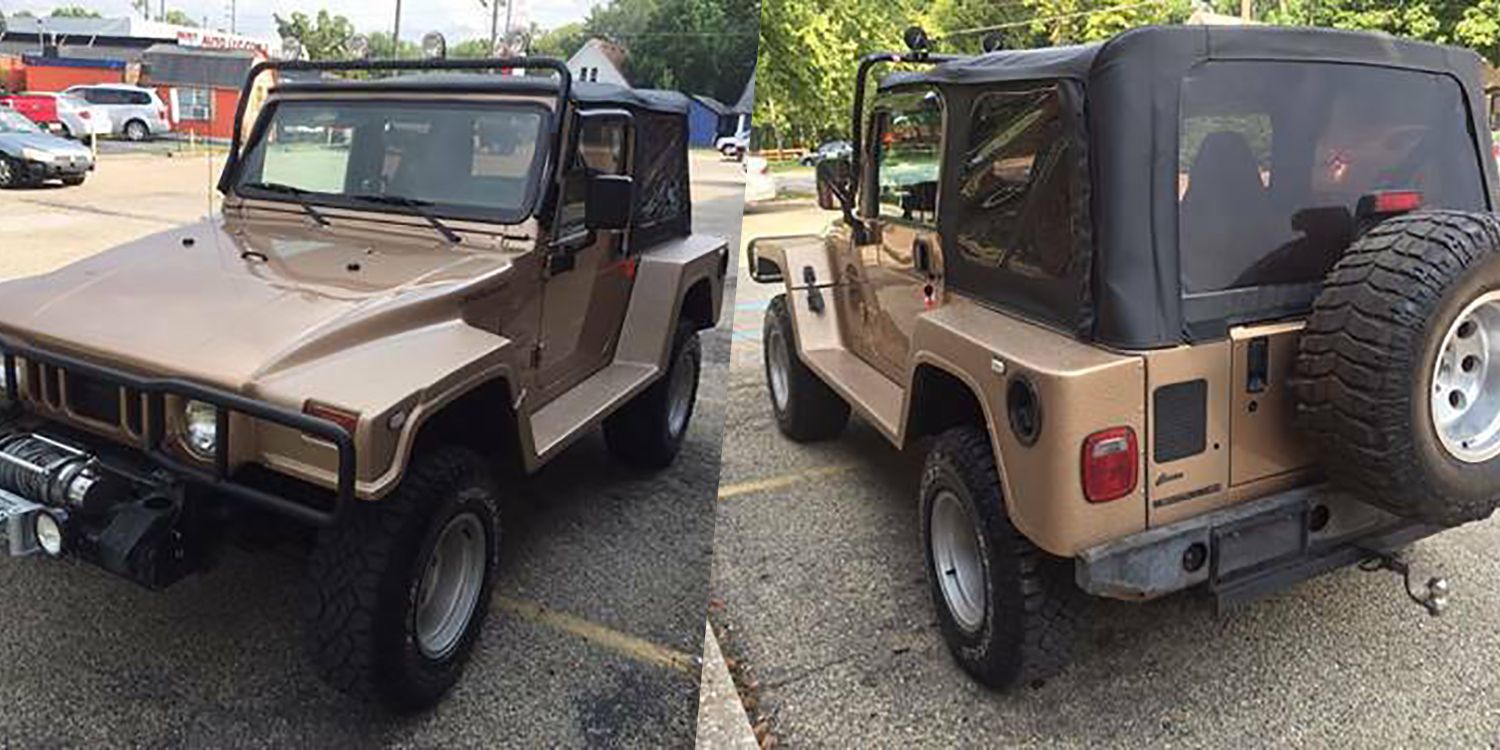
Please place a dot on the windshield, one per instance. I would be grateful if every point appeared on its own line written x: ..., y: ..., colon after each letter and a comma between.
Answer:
x: 15, y: 122
x: 1273, y: 159
x: 466, y: 161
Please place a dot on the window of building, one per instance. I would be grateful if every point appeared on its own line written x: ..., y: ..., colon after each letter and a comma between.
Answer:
x: 195, y: 104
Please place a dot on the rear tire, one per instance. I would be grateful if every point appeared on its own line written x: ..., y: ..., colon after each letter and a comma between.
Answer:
x: 1007, y: 610
x: 806, y: 408
x: 648, y: 432
x: 136, y: 131
x: 397, y: 594
x: 1400, y: 340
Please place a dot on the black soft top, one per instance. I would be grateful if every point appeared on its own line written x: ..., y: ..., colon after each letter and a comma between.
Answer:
x: 582, y: 92
x: 1127, y: 92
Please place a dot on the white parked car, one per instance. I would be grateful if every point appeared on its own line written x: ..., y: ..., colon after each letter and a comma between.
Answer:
x: 135, y: 112
x: 759, y: 184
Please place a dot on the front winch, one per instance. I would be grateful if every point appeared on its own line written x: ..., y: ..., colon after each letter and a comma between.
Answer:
x: 56, y: 498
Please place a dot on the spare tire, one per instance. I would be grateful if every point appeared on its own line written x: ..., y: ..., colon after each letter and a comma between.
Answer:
x: 1397, y: 379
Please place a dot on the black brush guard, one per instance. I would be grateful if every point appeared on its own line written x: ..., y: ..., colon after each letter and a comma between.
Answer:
x: 218, y: 479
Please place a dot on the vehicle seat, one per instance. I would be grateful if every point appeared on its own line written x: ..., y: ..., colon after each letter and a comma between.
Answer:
x: 1225, y: 216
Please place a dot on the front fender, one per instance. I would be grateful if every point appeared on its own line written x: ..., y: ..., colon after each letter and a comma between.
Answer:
x: 400, y: 381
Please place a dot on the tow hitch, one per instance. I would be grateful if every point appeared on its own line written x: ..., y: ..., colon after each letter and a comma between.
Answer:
x: 1433, y: 598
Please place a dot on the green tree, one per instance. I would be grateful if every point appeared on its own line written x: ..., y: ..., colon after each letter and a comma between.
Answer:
x: 382, y: 48
x: 74, y: 11
x: 181, y: 18
x: 470, y: 49
x: 561, y: 42
x: 325, y: 37
x: 697, y: 46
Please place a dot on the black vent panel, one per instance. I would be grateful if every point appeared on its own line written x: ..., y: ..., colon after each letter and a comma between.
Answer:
x: 1180, y: 416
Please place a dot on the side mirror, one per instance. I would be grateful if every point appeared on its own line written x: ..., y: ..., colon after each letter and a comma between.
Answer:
x: 835, y: 178
x: 611, y: 200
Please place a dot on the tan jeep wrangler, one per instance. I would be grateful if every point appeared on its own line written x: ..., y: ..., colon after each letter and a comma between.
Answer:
x: 418, y: 283
x: 1193, y: 307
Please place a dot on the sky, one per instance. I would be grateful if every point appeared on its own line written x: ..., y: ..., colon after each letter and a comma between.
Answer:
x: 456, y: 19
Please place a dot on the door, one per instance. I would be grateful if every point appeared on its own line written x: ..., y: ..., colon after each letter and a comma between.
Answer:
x: 896, y: 277
x: 587, y: 288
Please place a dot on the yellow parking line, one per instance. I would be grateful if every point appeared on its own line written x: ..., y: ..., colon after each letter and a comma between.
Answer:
x: 622, y: 643
x: 775, y: 483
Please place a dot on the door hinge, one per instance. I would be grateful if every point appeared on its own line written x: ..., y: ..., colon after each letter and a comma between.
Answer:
x: 536, y: 355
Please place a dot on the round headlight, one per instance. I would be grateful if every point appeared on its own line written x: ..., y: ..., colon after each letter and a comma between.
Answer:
x: 200, y: 427
x: 49, y: 534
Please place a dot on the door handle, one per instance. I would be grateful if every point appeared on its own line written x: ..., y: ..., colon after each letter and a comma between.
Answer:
x: 921, y: 251
x: 1257, y: 365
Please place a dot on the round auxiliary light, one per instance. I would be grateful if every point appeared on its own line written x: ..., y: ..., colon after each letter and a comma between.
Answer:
x: 434, y: 46
x: 200, y: 427
x: 49, y: 534
x: 291, y: 48
x: 359, y: 46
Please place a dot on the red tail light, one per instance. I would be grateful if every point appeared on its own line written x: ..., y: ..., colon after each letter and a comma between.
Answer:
x: 1397, y: 201
x: 1111, y: 464
x: 345, y: 419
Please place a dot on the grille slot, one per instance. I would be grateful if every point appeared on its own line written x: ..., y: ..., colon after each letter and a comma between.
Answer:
x: 1180, y: 420
x: 93, y: 399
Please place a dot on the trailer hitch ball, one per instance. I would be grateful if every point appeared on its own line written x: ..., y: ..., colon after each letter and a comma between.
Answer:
x: 1433, y: 597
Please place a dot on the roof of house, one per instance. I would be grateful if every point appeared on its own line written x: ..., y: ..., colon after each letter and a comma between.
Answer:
x: 713, y: 105
x: 746, y: 104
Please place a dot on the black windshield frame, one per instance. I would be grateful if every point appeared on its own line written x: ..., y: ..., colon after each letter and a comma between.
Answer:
x: 540, y: 170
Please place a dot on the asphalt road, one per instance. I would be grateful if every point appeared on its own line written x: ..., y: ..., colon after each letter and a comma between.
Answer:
x: 592, y: 640
x: 820, y: 593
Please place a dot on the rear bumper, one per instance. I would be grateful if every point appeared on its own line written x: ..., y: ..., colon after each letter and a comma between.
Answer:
x: 1247, y: 551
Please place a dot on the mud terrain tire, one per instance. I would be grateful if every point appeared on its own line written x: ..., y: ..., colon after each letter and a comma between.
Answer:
x: 648, y: 432
x: 1023, y: 630
x: 1367, y: 372
x: 365, y: 577
x: 806, y: 409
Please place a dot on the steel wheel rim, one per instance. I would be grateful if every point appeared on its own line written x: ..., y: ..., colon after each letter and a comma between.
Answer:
x: 779, y: 360
x: 1465, y: 398
x: 680, y: 393
x: 452, y: 578
x: 955, y: 550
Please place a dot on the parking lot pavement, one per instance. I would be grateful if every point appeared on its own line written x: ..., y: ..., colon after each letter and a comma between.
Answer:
x: 593, y: 637
x: 818, y: 569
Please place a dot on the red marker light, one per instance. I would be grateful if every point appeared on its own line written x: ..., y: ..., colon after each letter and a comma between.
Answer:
x: 1397, y: 201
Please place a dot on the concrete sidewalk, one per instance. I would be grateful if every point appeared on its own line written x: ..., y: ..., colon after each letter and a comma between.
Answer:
x: 722, y: 723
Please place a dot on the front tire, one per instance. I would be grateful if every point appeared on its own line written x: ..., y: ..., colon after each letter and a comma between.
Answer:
x: 648, y: 432
x: 73, y: 181
x: 806, y: 409
x: 1007, y: 610
x: 398, y: 592
x: 10, y: 173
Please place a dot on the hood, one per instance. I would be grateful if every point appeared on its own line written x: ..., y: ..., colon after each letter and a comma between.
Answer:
x: 226, y: 307
x: 12, y: 143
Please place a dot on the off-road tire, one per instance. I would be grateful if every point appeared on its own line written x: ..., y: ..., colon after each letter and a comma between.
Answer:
x: 642, y: 433
x: 813, y: 411
x: 359, y: 605
x: 1364, y: 370
x: 1032, y: 606
x: 136, y: 131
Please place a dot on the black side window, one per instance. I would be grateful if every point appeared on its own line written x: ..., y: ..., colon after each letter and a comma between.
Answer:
x: 603, y: 148
x: 138, y: 97
x: 1015, y: 188
x: 908, y: 129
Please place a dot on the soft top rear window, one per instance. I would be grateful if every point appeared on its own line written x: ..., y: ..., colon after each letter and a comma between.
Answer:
x: 1274, y: 157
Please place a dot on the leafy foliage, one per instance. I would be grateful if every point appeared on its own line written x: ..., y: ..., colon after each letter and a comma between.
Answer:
x: 74, y: 11
x: 324, y: 37
x: 180, y: 18
x: 810, y: 49
x: 697, y: 46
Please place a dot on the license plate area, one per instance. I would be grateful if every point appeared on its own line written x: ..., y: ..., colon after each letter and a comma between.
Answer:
x: 17, y: 515
x: 1259, y: 542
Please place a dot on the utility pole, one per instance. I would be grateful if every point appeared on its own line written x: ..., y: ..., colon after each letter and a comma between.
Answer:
x: 508, y: 4
x: 1247, y: 10
x: 396, y: 35
x: 495, y: 26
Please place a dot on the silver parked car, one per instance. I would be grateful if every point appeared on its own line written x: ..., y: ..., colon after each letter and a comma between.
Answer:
x: 136, y: 112
x: 31, y: 156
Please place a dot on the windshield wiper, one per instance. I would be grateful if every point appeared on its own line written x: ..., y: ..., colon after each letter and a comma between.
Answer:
x: 295, y: 192
x: 417, y: 208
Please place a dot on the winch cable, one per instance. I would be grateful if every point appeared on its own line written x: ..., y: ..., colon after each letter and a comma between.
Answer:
x: 28, y: 483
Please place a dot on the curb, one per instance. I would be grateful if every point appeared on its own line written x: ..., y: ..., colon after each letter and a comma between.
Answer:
x: 722, y: 722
